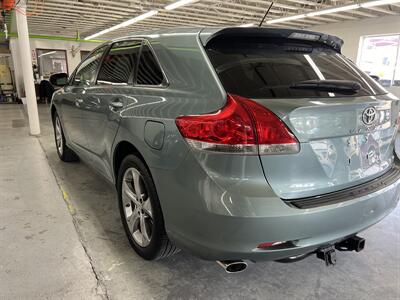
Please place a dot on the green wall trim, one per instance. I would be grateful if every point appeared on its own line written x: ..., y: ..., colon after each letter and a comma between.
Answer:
x: 11, y: 20
x: 54, y: 38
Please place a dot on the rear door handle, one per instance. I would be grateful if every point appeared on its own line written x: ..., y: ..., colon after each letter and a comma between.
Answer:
x: 78, y: 102
x: 116, y: 104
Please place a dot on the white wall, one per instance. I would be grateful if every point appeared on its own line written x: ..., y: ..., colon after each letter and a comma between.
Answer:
x: 353, y: 31
x: 16, y: 67
x: 72, y: 60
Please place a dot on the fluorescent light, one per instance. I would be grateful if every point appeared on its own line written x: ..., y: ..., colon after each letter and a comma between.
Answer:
x: 333, y: 10
x: 124, y: 24
x: 47, y: 53
x: 178, y: 4
x: 379, y: 2
x: 286, y: 19
x: 247, y: 25
x: 137, y: 19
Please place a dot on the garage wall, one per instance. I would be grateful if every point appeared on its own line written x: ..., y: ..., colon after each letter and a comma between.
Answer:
x: 353, y: 31
x: 72, y: 60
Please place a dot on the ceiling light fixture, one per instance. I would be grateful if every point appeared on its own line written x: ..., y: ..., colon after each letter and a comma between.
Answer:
x: 124, y: 24
x: 378, y: 3
x: 334, y: 10
x: 247, y: 25
x: 178, y: 4
x: 286, y: 19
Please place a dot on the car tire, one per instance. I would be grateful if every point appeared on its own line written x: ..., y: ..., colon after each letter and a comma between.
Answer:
x: 142, y: 216
x: 63, y: 151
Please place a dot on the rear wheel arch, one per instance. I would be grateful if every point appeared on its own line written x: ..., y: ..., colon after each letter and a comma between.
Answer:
x: 123, y: 149
x: 159, y: 245
x: 53, y: 112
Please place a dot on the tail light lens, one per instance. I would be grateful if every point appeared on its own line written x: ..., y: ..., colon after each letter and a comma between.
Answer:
x: 241, y: 126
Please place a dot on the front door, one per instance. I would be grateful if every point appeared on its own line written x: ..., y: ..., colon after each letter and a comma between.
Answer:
x: 104, y: 101
x: 73, y: 101
x: 72, y: 116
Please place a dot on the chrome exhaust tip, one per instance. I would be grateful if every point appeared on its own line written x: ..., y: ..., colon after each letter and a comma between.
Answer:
x: 232, y: 266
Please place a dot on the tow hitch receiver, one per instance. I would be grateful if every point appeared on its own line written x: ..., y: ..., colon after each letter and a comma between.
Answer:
x: 354, y: 243
x: 328, y: 254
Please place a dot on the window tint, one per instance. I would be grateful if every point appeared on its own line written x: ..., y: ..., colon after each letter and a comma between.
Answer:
x: 85, y: 72
x: 260, y: 68
x: 118, y: 65
x: 149, y: 71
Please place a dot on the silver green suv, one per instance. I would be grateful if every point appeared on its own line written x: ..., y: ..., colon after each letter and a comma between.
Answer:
x: 234, y: 143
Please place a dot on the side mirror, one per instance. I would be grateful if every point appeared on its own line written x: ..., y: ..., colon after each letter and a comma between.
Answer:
x: 59, y: 79
x: 376, y: 78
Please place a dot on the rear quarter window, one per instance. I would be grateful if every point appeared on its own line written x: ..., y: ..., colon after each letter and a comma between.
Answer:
x: 149, y: 71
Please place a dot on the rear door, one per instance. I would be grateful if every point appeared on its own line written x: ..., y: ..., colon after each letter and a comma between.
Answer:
x: 105, y: 100
x: 72, y: 98
x: 345, y: 138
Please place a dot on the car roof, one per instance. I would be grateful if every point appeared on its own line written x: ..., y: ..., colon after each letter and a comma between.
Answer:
x: 207, y: 34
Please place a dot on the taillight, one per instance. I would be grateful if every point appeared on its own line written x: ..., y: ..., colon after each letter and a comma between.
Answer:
x: 241, y: 126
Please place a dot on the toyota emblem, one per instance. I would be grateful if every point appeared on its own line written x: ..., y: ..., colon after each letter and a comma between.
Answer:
x: 369, y: 115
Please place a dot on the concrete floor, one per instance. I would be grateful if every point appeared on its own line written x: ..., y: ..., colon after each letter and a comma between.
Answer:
x: 121, y: 274
x: 41, y: 255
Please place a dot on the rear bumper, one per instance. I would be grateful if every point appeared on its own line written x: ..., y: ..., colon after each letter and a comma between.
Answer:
x: 358, y: 191
x: 221, y: 219
x: 237, y: 238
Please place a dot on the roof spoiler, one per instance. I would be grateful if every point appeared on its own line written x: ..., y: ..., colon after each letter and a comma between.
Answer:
x: 334, y: 42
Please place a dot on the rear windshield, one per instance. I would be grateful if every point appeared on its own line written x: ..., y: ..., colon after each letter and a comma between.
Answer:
x: 268, y: 68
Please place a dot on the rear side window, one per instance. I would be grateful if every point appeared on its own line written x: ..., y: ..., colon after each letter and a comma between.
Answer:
x: 149, y: 71
x: 86, y: 71
x: 269, y: 68
x: 119, y: 64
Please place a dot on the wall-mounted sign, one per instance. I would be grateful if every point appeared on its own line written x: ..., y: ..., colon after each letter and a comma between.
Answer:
x: 34, y: 57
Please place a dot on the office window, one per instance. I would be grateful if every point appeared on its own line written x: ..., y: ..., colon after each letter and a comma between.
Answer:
x: 380, y: 58
x: 84, y: 54
x: 118, y: 65
x: 51, y: 62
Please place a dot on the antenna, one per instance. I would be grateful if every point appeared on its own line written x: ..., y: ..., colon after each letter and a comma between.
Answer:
x: 263, y: 19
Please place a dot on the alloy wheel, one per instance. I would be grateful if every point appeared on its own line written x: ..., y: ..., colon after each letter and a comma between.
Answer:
x: 59, y: 139
x: 137, y: 207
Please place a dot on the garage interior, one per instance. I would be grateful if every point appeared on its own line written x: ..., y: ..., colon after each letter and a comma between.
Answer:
x: 60, y: 231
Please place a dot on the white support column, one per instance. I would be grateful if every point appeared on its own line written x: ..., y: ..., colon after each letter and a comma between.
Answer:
x: 26, y: 65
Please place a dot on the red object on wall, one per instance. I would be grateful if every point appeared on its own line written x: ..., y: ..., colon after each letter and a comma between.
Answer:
x: 7, y: 4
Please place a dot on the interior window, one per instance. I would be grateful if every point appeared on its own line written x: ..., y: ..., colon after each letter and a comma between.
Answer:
x: 380, y: 58
x: 84, y: 54
x: 119, y: 64
x: 149, y: 71
x: 85, y: 72
x: 51, y: 62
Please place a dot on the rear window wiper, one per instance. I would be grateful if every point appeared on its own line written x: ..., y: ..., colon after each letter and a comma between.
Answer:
x: 340, y: 86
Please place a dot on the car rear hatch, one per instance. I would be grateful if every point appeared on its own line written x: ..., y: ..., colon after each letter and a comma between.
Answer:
x: 345, y: 122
